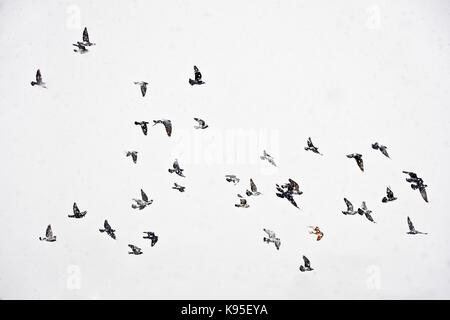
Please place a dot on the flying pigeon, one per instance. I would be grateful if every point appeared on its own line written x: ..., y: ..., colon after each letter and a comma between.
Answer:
x: 268, y: 157
x: 243, y: 203
x: 350, y: 210
x: 364, y: 211
x: 272, y: 238
x: 232, y: 178
x: 383, y: 150
x: 152, y: 237
x: 141, y: 204
x: 76, y: 212
x: 135, y: 250
x: 143, y: 86
x: 358, y: 158
x: 177, y: 169
x: 389, y: 196
x: 317, y: 232
x: 417, y: 183
x: 292, y: 187
x: 307, y: 266
x: 201, y: 124
x: 286, y: 194
x: 412, y: 230
x: 107, y: 228
x: 178, y: 187
x: 48, y: 235
x: 198, y: 77
x: 143, y: 125
x: 86, y: 41
x: 38, y: 81
x: 254, y: 191
x: 312, y: 147
x: 133, y: 155
x: 167, y: 124
x: 81, y: 47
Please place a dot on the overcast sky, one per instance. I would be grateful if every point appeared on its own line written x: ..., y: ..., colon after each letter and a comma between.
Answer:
x: 345, y: 73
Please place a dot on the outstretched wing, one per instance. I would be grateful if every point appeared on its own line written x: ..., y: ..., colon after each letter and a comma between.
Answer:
x: 411, y: 174
x: 106, y: 225
x: 86, y: 35
x: 360, y: 162
x: 368, y: 216
x: 384, y: 151
x: 423, y: 192
x: 307, y: 263
x: 363, y: 206
x: 198, y: 75
x: 310, y: 144
x: 176, y: 166
x: 38, y: 76
x: 389, y: 193
x: 294, y: 184
x: 168, y: 126
x: 76, y: 211
x: 144, y: 196
x: 253, y: 186
x: 349, y: 205
x: 143, y: 89
x: 48, y: 232
x: 410, y: 225
x: 270, y: 233
x: 134, y: 156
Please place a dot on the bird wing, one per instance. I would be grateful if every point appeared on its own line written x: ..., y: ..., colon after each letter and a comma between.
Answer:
x: 253, y: 186
x: 294, y: 184
x: 270, y: 233
x: 85, y: 35
x: 144, y: 196
x: 168, y: 126
x: 106, y: 225
x: 384, y: 151
x: 410, y: 225
x: 389, y: 193
x: 368, y: 216
x: 349, y: 205
x: 198, y: 75
x: 307, y: 263
x: 363, y: 206
x: 310, y: 144
x: 143, y: 89
x: 411, y: 174
x: 176, y: 166
x: 423, y: 192
x: 134, y: 156
x: 360, y: 162
x: 76, y: 211
x: 48, y: 232
x: 38, y: 76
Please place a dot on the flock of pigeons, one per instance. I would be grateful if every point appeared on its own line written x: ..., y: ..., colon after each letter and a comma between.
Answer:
x: 285, y: 191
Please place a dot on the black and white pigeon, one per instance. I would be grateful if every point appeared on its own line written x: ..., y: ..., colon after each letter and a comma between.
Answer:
x: 167, y: 124
x: 350, y: 210
x: 311, y: 147
x: 242, y: 202
x: 176, y: 186
x: 232, y: 178
x: 389, y: 196
x: 143, y: 86
x: 38, y: 81
x: 177, y: 169
x: 268, y: 157
x: 417, y: 183
x: 364, y: 211
x: 253, y: 190
x: 134, y: 250
x: 48, y: 235
x: 109, y: 231
x: 141, y: 203
x: 412, y: 230
x: 133, y: 155
x: 198, y: 77
x: 81, y: 47
x: 287, y: 194
x: 76, y: 212
x: 358, y: 158
x: 272, y: 238
x: 382, y: 148
x: 201, y: 124
x: 143, y: 125
x: 152, y: 237
x: 292, y: 187
x: 307, y: 265
x: 86, y: 41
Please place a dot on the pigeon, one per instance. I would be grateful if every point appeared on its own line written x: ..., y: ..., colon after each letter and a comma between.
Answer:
x: 254, y: 191
x: 286, y: 194
x: 412, y: 230
x: 292, y: 187
x: 107, y: 228
x: 268, y: 157
x: 135, y: 250
x: 152, y: 237
x: 417, y: 183
x: 317, y: 232
x: 167, y: 124
x: 198, y: 77
x: 358, y: 158
x: 307, y: 266
x: 232, y: 178
x: 312, y: 147
x: 201, y: 124
x: 38, y: 81
x: 364, y: 211
x: 86, y: 41
x: 141, y: 203
x: 243, y: 202
x: 76, y: 212
x: 177, y: 169
x: 81, y: 47
x: 350, y: 210
x: 143, y: 86
x: 389, y: 196
x: 377, y: 146
x: 143, y: 125
x: 178, y: 187
x: 133, y: 155
x: 272, y: 238
x: 48, y: 235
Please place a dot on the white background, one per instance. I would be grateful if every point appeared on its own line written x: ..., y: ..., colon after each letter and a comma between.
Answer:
x: 346, y: 73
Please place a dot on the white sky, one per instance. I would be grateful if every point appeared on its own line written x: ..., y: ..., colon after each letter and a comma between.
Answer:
x: 346, y: 73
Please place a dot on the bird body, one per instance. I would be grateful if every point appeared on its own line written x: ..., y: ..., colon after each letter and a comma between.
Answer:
x: 107, y: 228
x: 382, y: 148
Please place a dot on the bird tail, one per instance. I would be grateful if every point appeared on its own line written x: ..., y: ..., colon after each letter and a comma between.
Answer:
x: 384, y: 199
x: 171, y: 170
